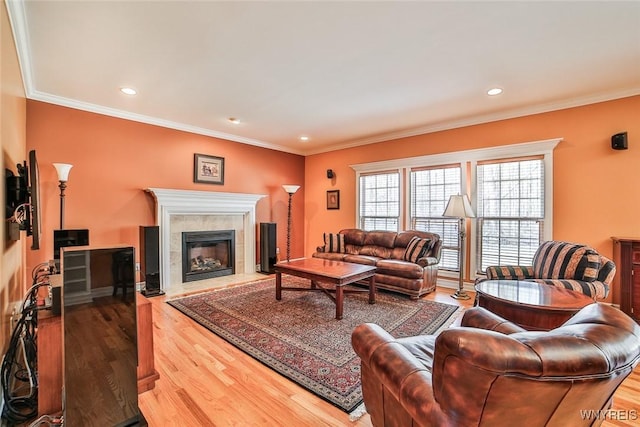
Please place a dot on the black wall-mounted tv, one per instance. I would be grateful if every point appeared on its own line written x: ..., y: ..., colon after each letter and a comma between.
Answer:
x: 23, y: 198
x: 65, y: 238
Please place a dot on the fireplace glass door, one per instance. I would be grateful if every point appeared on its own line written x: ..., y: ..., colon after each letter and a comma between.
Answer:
x: 207, y: 254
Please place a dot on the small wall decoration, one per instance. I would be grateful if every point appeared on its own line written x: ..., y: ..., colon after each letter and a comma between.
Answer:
x: 208, y: 169
x: 333, y: 199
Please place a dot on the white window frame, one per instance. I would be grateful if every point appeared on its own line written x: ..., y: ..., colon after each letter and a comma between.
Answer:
x: 471, y: 157
x: 400, y: 194
x: 462, y: 190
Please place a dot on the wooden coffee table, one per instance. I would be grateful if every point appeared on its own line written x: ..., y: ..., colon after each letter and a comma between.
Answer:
x: 323, y: 271
x: 531, y: 305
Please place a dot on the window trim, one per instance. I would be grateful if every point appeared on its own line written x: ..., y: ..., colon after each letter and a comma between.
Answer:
x: 547, y: 231
x: 463, y: 190
x: 401, y: 185
x: 466, y: 158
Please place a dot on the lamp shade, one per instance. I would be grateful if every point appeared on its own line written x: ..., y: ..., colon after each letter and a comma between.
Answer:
x: 63, y: 170
x: 459, y: 207
x: 290, y: 188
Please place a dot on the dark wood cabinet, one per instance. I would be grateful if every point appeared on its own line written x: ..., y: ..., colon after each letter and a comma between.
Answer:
x: 626, y: 256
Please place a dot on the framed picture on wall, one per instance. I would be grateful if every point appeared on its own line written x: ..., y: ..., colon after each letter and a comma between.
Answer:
x: 208, y: 169
x: 333, y: 199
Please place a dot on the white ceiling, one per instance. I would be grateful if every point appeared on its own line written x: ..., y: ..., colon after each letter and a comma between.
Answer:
x: 344, y: 73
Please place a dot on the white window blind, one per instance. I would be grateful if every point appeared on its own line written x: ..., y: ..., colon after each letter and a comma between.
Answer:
x: 380, y: 201
x: 510, y: 211
x: 430, y: 191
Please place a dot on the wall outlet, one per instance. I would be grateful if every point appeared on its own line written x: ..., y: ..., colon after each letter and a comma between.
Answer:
x: 137, y: 266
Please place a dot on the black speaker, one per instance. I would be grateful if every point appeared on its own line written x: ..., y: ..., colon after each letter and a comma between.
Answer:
x: 330, y: 173
x: 619, y: 141
x: 268, y: 256
x: 150, y: 260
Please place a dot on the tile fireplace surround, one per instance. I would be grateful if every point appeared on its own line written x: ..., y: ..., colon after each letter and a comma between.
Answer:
x: 187, y: 210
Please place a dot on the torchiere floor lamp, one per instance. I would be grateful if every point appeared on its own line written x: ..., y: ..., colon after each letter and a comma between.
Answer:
x: 459, y: 207
x: 63, y: 176
x: 291, y: 189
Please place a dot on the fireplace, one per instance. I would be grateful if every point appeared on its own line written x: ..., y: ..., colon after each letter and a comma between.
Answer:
x: 207, y: 254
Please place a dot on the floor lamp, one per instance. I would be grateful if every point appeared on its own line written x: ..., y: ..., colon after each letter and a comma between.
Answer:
x: 63, y: 176
x: 291, y: 189
x: 459, y: 207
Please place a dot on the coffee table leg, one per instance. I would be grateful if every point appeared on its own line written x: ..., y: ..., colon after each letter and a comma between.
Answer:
x: 339, y: 301
x: 372, y: 290
x: 278, y: 286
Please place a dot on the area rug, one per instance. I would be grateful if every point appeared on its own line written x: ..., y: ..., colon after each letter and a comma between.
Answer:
x: 299, y: 336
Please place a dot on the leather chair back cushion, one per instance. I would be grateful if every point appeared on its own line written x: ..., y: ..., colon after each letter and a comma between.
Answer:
x: 564, y: 260
x: 385, y: 239
x: 353, y: 236
x: 476, y: 370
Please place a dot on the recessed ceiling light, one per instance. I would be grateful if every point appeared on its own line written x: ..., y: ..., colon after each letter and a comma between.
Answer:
x: 304, y: 138
x: 494, y: 91
x: 234, y: 120
x: 128, y: 90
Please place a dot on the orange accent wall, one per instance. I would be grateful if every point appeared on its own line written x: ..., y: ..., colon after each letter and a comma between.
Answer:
x: 12, y: 143
x: 596, y: 188
x: 114, y: 160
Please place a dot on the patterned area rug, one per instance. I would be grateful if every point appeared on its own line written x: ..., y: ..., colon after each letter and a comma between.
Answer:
x: 299, y: 336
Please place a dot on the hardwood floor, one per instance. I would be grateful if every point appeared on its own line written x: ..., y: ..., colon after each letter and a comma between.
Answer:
x: 205, y: 381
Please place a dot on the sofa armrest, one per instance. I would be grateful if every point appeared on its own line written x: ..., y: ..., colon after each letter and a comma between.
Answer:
x: 481, y: 318
x: 427, y: 261
x: 509, y: 272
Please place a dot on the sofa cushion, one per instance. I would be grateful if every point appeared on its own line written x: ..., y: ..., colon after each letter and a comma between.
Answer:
x: 396, y: 267
x: 334, y: 243
x: 416, y: 249
x: 333, y: 256
x: 361, y: 259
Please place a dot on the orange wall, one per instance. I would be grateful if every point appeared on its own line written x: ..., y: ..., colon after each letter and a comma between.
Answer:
x: 12, y: 144
x: 114, y: 160
x: 596, y: 189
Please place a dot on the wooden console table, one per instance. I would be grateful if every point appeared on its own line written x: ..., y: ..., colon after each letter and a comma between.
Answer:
x: 50, y: 356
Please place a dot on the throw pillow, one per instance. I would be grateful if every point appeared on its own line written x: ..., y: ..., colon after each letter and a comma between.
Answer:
x: 334, y: 243
x: 416, y: 249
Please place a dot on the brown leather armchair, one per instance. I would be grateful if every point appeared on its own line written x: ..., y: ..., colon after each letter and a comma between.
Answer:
x: 490, y: 372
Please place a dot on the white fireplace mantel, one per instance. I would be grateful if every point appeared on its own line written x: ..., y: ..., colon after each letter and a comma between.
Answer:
x: 171, y: 202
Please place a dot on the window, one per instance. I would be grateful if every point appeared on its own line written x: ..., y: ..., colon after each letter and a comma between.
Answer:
x: 430, y: 191
x: 510, y: 211
x: 380, y: 201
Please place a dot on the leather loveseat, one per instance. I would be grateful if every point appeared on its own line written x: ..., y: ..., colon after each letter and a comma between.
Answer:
x: 406, y: 261
x: 490, y: 372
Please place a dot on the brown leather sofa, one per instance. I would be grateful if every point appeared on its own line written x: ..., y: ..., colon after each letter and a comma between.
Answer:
x: 386, y: 250
x: 493, y: 373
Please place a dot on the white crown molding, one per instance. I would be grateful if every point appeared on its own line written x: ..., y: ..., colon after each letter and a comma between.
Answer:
x: 484, y: 118
x: 502, y: 151
x: 113, y: 112
x: 17, y: 18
